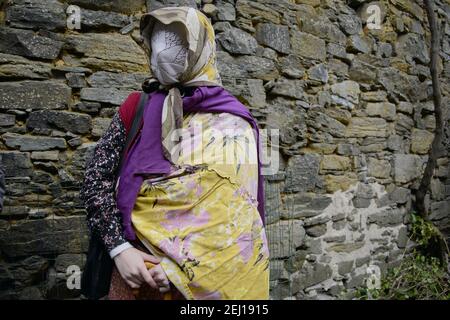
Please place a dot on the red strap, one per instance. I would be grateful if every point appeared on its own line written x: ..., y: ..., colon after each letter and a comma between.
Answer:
x: 128, y: 109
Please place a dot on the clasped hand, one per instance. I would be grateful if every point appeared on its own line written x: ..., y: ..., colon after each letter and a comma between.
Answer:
x: 131, y: 266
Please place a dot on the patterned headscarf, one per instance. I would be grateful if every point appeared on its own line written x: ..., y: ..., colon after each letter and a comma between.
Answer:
x: 196, y: 68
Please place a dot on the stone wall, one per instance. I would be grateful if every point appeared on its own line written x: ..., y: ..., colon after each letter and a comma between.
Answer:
x: 353, y: 106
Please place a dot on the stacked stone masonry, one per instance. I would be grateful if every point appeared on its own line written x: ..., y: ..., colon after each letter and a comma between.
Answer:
x: 352, y: 104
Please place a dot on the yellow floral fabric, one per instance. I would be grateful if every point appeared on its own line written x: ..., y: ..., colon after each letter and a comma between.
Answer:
x: 202, y: 219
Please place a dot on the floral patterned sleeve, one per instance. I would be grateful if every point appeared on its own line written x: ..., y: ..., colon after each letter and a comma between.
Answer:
x: 97, y: 192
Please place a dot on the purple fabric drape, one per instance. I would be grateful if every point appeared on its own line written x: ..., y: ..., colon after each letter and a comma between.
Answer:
x: 146, y: 155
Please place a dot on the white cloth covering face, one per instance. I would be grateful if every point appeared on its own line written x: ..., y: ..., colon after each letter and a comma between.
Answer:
x: 169, y: 52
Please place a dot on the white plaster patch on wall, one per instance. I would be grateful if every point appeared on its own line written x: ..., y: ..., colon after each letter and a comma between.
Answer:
x: 366, y: 239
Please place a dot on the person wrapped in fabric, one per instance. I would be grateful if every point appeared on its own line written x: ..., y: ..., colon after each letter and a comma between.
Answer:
x: 189, y: 197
